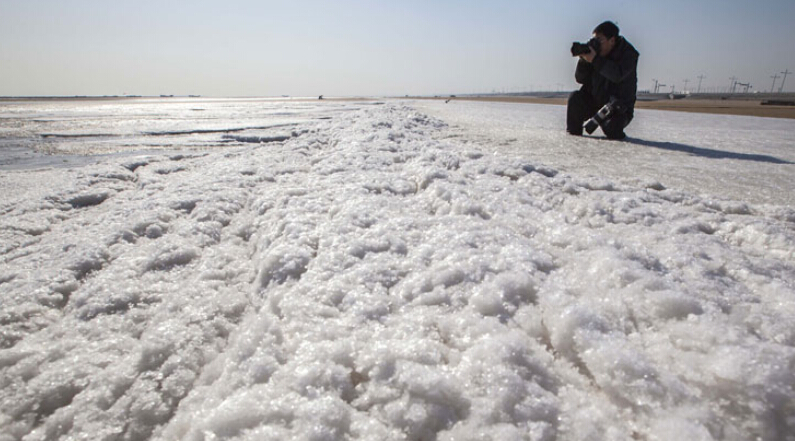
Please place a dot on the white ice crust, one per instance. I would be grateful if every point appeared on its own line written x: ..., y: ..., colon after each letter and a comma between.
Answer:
x: 373, y: 277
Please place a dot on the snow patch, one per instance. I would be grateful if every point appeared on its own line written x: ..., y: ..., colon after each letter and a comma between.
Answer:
x: 381, y: 277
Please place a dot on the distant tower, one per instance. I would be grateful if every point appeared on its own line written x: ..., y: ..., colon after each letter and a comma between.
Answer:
x: 781, y: 89
x: 700, y: 78
x: 773, y: 87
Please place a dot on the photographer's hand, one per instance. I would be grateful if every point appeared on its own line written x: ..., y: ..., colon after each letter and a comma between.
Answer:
x: 589, y: 56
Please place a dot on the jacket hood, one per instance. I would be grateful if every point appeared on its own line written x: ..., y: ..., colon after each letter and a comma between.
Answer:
x: 622, y: 46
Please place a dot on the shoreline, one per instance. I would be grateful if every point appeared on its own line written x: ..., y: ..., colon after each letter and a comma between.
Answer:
x: 742, y: 104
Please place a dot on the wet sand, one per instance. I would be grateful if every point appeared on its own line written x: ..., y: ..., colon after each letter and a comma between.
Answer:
x: 748, y: 107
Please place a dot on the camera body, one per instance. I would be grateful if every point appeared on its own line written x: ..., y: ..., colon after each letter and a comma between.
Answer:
x: 584, y: 48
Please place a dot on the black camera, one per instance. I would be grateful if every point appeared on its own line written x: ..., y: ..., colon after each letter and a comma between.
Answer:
x: 584, y: 48
x: 607, y: 111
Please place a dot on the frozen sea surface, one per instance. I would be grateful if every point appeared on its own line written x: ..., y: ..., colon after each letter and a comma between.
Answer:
x: 66, y: 133
x: 376, y: 272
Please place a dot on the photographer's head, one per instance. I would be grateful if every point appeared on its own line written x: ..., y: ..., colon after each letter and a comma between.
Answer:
x: 607, y: 34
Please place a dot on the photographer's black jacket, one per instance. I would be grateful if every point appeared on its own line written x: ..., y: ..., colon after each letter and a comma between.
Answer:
x: 612, y: 76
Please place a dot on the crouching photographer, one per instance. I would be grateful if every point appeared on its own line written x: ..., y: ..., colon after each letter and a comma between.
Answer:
x: 607, y: 70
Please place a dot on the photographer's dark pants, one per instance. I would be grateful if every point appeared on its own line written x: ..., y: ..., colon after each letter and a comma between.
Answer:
x: 582, y: 107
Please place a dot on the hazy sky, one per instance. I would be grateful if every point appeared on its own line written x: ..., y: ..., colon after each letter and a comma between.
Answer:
x: 398, y: 47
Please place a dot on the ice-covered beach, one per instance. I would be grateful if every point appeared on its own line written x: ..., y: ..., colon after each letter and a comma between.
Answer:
x: 363, y: 270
